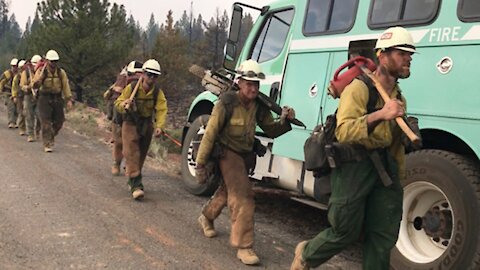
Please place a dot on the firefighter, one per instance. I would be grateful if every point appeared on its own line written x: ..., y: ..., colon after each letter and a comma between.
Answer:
x: 128, y: 75
x: 144, y: 109
x: 18, y: 97
x: 54, y: 90
x: 366, y: 196
x: 6, y: 81
x: 32, y: 121
x: 234, y: 139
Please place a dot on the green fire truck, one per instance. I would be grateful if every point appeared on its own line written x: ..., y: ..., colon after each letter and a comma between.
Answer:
x: 300, y: 44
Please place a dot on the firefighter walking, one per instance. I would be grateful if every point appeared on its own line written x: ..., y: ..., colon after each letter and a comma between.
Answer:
x: 129, y: 74
x: 32, y: 122
x: 18, y: 97
x: 366, y: 193
x: 54, y: 90
x: 6, y: 81
x: 235, y: 137
x: 144, y: 109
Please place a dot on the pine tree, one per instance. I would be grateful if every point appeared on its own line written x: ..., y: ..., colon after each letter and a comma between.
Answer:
x: 10, y: 35
x: 151, y: 34
x: 171, y: 51
x: 92, y: 38
x: 215, y: 39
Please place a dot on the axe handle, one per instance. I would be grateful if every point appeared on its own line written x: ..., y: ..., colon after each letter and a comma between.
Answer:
x: 400, y: 121
x: 31, y: 81
x: 134, y: 93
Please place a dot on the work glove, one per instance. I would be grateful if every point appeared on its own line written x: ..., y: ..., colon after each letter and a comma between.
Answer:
x: 287, y: 113
x: 412, y: 122
x: 201, y: 174
x: 158, y: 132
x: 258, y: 148
x: 204, y: 172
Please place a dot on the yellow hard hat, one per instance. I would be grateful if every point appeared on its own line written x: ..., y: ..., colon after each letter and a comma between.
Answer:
x: 397, y: 38
x: 52, y: 55
x: 250, y: 70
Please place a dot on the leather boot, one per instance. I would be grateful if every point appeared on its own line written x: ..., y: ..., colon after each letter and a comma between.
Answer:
x: 136, y: 187
x: 116, y: 168
x: 207, y: 226
x: 247, y: 256
x: 298, y: 262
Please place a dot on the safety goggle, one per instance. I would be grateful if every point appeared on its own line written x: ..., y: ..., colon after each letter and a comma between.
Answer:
x: 152, y: 75
x: 252, y: 74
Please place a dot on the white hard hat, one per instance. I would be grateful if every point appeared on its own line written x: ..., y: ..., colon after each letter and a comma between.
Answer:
x: 397, y: 38
x: 134, y: 67
x: 14, y: 62
x: 35, y: 59
x: 52, y: 55
x: 250, y: 70
x: 21, y: 63
x: 151, y: 66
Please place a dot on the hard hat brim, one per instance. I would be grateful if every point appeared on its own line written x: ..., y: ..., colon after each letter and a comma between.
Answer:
x: 253, y: 79
x: 407, y: 49
x: 153, y: 71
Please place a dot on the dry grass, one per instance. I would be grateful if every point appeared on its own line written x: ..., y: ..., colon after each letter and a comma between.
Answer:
x: 93, y: 123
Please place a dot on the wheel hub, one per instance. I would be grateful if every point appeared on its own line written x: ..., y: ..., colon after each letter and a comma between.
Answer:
x: 436, y: 223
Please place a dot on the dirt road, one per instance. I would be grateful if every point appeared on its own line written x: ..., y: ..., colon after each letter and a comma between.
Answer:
x: 64, y: 210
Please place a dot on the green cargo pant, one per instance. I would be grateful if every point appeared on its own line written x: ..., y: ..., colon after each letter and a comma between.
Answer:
x: 50, y: 111
x: 360, y: 203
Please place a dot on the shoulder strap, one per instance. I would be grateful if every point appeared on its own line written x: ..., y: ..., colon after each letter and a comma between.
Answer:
x: 229, y: 100
x: 372, y: 93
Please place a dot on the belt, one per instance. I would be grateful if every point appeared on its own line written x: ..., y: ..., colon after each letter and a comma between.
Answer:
x: 50, y: 94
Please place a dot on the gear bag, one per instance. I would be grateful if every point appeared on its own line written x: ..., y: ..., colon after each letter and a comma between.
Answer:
x: 321, y: 150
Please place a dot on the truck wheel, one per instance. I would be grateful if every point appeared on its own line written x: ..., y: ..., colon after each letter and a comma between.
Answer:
x: 194, y: 136
x: 441, y: 213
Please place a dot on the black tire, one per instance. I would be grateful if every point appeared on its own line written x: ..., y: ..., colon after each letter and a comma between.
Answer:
x: 188, y: 162
x: 445, y: 188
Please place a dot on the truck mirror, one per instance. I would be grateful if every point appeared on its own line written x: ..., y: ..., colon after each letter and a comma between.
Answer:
x: 235, y: 24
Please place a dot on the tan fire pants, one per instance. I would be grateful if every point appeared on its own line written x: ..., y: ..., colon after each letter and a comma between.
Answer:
x: 117, y: 154
x: 20, y: 113
x: 237, y: 192
x: 135, y: 146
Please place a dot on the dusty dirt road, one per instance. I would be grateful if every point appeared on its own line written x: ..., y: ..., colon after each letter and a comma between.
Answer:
x: 64, y: 210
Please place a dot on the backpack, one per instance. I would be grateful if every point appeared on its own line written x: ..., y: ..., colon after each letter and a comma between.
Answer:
x: 318, y: 148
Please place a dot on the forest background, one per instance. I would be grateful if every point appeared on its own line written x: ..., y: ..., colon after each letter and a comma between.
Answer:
x: 96, y: 38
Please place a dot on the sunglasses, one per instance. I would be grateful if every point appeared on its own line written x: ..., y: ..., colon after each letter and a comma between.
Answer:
x: 252, y: 74
x: 152, y: 75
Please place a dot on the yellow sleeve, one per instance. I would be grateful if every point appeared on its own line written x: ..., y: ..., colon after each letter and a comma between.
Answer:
x: 215, y: 121
x: 271, y: 127
x: 24, y: 84
x: 15, y: 85
x: 67, y: 92
x: 160, y: 110
x: 126, y: 92
x: 352, y: 113
x: 3, y: 80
